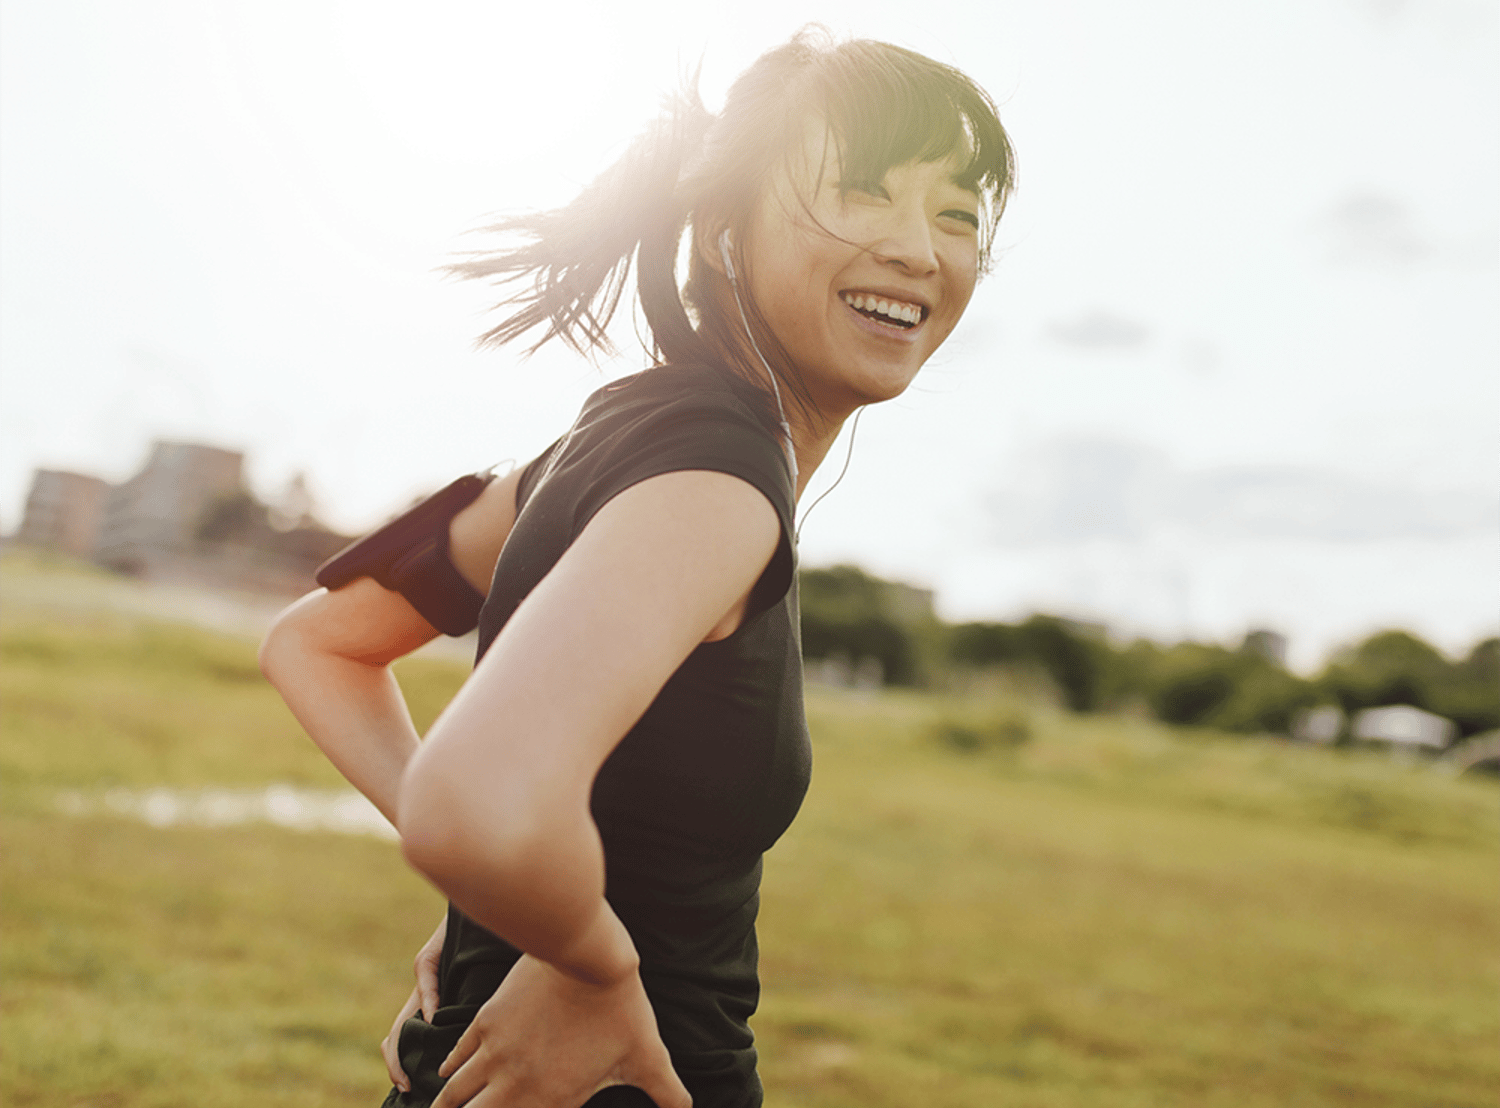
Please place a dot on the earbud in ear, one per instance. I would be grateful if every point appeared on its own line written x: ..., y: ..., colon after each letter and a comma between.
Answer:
x: 734, y: 287
x: 724, y: 254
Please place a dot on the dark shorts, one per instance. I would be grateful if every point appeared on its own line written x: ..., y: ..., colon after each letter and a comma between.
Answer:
x: 422, y: 1047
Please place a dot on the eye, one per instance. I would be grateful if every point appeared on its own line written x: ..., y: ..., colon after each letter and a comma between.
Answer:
x: 963, y: 215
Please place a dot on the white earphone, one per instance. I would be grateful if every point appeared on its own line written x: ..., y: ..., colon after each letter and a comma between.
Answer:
x: 724, y: 253
x: 734, y: 285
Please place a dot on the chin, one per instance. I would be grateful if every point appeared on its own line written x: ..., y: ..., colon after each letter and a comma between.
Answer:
x: 890, y: 386
x: 874, y: 393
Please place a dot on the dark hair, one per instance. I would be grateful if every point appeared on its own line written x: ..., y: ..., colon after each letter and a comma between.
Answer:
x: 883, y: 106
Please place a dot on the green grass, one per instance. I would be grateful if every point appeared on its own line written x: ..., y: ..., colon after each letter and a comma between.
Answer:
x: 983, y: 902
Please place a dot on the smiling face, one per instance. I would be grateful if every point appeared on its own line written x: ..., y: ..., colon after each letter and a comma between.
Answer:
x: 860, y: 281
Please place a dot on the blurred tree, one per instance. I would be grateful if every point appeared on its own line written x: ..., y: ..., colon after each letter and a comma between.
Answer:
x: 986, y: 644
x: 848, y: 611
x: 1074, y: 658
x: 235, y: 518
x: 1390, y: 667
x: 1233, y: 690
x: 1469, y: 693
x: 1397, y: 667
x: 1190, y: 682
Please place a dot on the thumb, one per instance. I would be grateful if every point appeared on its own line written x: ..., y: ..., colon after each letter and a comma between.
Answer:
x: 665, y: 1088
x: 427, y: 991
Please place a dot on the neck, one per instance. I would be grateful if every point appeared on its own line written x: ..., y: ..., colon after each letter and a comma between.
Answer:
x: 812, y: 433
x: 812, y: 444
x: 809, y: 444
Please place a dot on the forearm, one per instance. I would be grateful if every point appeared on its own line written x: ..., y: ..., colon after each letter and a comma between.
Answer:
x: 356, y: 715
x: 329, y: 654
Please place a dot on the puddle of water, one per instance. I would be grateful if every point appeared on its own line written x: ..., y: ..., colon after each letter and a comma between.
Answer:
x: 340, y: 811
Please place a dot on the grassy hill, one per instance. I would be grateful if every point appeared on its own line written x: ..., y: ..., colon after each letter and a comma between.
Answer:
x: 984, y: 902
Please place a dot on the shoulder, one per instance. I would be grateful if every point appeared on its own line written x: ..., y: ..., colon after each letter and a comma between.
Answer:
x: 672, y: 418
x: 670, y: 434
x: 683, y: 392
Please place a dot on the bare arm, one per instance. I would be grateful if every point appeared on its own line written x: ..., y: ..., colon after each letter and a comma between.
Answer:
x: 494, y: 807
x: 329, y: 655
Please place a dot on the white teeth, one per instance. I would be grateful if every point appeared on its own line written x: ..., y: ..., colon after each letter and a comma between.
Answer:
x: 894, y: 309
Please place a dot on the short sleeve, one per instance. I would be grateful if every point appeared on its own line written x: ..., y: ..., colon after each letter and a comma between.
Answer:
x: 533, y: 473
x: 703, y: 431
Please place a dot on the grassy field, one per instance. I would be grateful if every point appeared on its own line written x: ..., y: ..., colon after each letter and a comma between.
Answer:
x: 984, y: 902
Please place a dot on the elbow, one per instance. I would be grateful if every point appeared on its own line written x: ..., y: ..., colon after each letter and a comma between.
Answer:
x: 274, y: 649
x: 456, y: 832
x: 297, y: 636
x: 286, y: 649
x: 431, y: 838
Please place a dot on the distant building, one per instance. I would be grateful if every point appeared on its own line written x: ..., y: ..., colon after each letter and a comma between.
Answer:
x: 156, y: 514
x: 63, y: 512
x: 186, y: 517
x: 1403, y: 725
x: 1270, y: 645
x: 1323, y: 724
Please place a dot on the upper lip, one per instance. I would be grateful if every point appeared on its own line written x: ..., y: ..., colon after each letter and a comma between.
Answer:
x: 890, y: 294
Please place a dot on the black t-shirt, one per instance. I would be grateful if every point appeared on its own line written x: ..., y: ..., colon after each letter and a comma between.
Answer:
x: 716, y: 767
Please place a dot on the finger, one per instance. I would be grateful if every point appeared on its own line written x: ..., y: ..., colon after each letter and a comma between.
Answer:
x: 468, y: 1082
x: 427, y: 987
x: 462, y: 1051
x: 390, y: 1046
x: 390, y: 1052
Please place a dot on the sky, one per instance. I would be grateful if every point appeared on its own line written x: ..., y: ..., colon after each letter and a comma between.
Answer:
x: 1235, y: 366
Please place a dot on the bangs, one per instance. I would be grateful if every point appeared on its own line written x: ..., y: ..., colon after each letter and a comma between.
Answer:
x: 886, y: 106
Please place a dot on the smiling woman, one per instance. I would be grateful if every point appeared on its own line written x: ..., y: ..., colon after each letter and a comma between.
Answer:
x: 596, y: 800
x: 799, y: 165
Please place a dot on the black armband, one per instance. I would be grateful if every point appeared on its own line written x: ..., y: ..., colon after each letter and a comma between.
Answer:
x: 409, y: 555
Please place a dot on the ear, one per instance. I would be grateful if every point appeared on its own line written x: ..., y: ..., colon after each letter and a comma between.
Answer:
x: 710, y: 243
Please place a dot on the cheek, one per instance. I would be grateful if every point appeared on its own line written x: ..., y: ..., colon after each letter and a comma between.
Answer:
x: 790, y: 285
x: 965, y: 273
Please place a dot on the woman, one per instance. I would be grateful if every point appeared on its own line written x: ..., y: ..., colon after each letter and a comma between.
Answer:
x: 596, y: 800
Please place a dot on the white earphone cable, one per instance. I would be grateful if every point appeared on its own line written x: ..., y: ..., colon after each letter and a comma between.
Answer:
x: 848, y: 457
x: 786, y: 430
x: 734, y: 286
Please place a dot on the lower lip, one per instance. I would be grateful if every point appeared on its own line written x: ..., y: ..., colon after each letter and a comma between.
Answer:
x: 882, y: 330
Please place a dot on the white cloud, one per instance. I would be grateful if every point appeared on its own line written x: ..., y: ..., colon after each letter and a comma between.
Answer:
x: 1082, y: 489
x: 1100, y: 330
x: 1371, y: 230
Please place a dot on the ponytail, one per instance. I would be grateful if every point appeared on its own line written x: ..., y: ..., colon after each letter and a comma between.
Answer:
x: 579, y: 256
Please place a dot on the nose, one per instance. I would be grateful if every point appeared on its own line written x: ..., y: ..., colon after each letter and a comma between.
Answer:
x: 908, y: 242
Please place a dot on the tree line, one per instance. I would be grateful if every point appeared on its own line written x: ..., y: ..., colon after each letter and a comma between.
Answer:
x: 850, y: 614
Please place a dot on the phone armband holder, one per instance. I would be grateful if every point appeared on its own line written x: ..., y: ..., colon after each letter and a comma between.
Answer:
x: 409, y: 555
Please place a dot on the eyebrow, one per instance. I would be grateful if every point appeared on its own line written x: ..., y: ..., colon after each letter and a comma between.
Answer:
x: 958, y: 181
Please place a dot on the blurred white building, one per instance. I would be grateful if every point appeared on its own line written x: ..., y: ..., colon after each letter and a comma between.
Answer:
x: 1403, y: 725
x: 1323, y: 724
x: 155, y: 514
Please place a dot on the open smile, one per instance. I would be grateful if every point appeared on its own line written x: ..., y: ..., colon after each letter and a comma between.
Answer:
x: 901, y: 315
